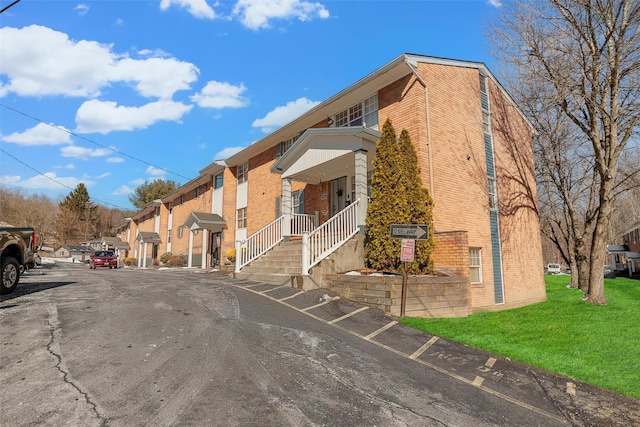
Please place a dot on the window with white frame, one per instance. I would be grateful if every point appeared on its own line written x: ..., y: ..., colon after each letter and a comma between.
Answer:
x: 242, y: 172
x: 181, y: 198
x: 170, y: 207
x: 493, y: 196
x: 363, y: 113
x: 197, y: 192
x: 475, y: 265
x: 241, y: 216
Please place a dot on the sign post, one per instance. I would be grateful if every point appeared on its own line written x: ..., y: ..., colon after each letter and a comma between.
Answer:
x: 409, y: 233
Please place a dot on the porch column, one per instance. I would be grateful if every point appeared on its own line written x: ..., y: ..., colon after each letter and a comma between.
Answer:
x: 139, y: 254
x: 190, y: 256
x: 286, y: 209
x: 144, y: 263
x: 361, y: 187
x: 205, y: 250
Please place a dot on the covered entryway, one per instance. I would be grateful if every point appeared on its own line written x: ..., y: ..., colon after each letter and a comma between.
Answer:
x: 331, y: 155
x: 206, y: 225
x: 147, y: 248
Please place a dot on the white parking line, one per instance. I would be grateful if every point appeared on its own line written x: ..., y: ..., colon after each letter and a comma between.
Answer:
x: 320, y: 305
x: 384, y: 328
x: 346, y: 316
x: 422, y: 349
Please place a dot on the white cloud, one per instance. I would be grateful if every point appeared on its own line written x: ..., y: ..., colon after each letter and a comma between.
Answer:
x: 138, y: 182
x: 156, y: 172
x: 227, y: 152
x: 123, y: 190
x: 107, y: 116
x: 82, y: 9
x: 495, y: 3
x: 67, y: 166
x: 83, y: 153
x: 40, y: 134
x: 119, y: 22
x: 282, y: 115
x: 115, y: 160
x: 221, y: 95
x: 104, y: 175
x: 39, y: 61
x: 256, y: 14
x: 47, y: 181
x: 197, y: 8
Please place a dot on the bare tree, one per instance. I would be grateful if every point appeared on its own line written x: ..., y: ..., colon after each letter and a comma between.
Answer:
x: 584, y: 58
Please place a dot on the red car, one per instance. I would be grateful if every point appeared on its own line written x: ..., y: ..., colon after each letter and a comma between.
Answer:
x: 103, y: 259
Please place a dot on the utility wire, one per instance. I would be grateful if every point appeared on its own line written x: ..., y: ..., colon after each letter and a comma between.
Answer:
x: 60, y: 183
x: 93, y: 142
x: 7, y: 7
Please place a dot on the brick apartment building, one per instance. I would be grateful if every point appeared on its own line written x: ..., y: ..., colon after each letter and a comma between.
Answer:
x: 475, y: 154
x: 625, y: 258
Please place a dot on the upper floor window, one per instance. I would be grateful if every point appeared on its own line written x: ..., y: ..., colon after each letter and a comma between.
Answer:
x: 197, y: 192
x: 242, y: 172
x: 285, y: 145
x: 363, y: 113
x: 157, y: 210
x: 218, y: 181
x: 181, y: 198
x: 170, y: 207
x: 493, y: 196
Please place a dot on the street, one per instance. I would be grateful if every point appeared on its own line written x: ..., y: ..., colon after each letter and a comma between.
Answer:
x: 132, y: 347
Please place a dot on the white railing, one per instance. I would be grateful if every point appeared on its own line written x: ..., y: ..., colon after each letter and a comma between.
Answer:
x: 301, y: 223
x: 258, y: 243
x: 322, y: 241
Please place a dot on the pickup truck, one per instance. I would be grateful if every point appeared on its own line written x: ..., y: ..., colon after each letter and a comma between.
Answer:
x: 17, y: 253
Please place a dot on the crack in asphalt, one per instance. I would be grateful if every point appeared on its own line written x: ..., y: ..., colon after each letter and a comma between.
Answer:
x: 53, y: 329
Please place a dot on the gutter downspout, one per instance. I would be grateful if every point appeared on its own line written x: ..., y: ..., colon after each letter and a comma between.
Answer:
x: 428, y: 113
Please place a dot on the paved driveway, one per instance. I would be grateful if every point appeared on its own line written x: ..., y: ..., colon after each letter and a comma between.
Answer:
x: 182, y: 347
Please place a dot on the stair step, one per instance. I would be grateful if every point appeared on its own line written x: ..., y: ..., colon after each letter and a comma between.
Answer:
x: 274, y: 279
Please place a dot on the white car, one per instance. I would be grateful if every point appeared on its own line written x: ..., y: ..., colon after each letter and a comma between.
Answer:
x: 553, y: 269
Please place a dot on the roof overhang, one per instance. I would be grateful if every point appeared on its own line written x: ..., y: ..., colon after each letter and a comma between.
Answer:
x: 362, y: 89
x: 323, y: 154
x: 147, y: 237
x: 208, y: 221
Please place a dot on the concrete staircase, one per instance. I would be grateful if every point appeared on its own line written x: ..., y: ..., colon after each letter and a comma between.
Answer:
x: 280, y: 266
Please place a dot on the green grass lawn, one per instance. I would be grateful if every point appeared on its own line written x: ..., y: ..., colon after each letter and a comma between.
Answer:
x: 595, y: 344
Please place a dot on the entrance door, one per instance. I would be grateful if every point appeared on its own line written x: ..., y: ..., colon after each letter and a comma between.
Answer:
x: 338, y: 195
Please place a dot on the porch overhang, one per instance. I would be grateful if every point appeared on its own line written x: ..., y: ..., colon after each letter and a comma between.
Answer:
x: 323, y: 154
x: 208, y: 221
x: 148, y: 237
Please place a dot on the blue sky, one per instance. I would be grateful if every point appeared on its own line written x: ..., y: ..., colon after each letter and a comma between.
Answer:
x: 113, y: 93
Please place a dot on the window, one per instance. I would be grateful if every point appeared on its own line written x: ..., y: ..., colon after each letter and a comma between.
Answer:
x: 169, y: 237
x: 371, y: 112
x: 241, y: 216
x: 493, y: 196
x: 197, y: 192
x: 486, y: 126
x: 181, y: 199
x: 170, y: 207
x: 285, y: 145
x: 218, y: 181
x: 157, y: 210
x: 475, y: 265
x: 353, y: 116
x: 242, y: 172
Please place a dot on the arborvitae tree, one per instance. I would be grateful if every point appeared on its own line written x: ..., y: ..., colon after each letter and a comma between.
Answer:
x: 381, y: 252
x: 397, y: 197
x: 77, y: 217
x: 150, y: 191
x: 419, y: 201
